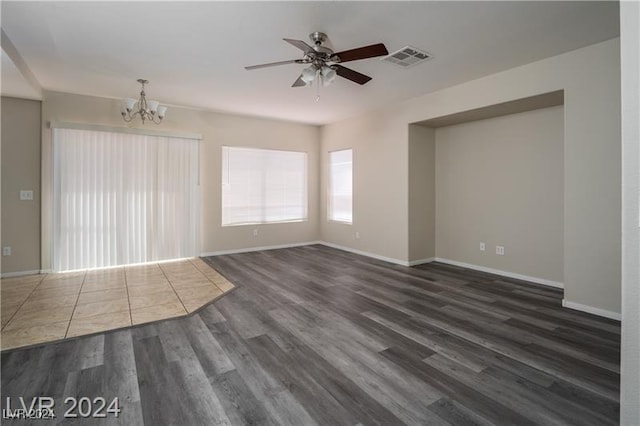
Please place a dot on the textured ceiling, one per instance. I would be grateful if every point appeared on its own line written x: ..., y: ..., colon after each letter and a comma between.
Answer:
x: 194, y: 53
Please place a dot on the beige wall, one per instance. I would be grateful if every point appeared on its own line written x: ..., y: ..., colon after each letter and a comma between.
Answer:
x: 217, y: 129
x: 20, y: 171
x: 422, y: 192
x: 590, y: 78
x: 500, y: 181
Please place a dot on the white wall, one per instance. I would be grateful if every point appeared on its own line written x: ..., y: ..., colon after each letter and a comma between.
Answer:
x: 590, y: 78
x: 500, y: 181
x: 630, y: 364
x: 217, y: 129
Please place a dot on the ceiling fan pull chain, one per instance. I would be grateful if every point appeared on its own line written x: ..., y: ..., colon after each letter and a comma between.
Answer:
x: 318, y: 82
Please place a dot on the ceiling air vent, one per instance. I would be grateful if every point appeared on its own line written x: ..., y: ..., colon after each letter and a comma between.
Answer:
x: 407, y: 57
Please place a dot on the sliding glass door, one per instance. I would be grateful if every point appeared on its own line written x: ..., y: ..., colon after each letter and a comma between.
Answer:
x: 123, y: 198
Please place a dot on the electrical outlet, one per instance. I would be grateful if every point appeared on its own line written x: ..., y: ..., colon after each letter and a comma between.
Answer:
x: 357, y: 235
x: 482, y: 247
x: 255, y: 232
x: 6, y: 251
x: 500, y: 250
x: 26, y: 195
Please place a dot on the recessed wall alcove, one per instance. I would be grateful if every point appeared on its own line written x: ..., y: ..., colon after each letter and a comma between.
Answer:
x: 492, y: 175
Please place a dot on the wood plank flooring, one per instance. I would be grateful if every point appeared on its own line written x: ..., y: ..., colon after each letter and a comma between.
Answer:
x: 314, y: 335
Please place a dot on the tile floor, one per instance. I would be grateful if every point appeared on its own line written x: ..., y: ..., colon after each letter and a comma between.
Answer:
x: 43, y: 308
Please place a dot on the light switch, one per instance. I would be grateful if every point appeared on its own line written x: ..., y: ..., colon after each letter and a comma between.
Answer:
x: 26, y: 195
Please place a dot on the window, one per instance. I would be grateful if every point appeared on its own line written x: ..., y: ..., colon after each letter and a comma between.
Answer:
x: 263, y: 186
x: 340, y: 186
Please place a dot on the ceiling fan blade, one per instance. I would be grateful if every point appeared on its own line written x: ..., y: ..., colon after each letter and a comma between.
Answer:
x: 273, y: 64
x: 299, y: 44
x: 299, y: 82
x: 361, y: 53
x: 350, y: 74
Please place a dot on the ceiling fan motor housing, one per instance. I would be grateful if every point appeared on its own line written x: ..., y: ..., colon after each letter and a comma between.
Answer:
x: 320, y: 54
x: 317, y: 37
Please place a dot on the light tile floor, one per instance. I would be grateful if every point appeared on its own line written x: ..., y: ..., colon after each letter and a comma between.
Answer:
x: 42, y: 308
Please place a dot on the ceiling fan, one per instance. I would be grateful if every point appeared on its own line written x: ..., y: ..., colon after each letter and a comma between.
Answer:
x: 324, y: 63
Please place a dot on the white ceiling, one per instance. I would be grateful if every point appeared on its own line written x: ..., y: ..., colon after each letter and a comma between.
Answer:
x: 194, y: 53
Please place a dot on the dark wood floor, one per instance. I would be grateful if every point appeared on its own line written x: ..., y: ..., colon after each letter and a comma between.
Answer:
x: 313, y: 335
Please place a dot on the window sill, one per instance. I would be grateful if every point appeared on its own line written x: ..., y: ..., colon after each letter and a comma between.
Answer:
x: 232, y: 225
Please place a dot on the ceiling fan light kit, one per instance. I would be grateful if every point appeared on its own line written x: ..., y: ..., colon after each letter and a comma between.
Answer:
x: 324, y: 63
x: 326, y: 74
x: 143, y: 108
x: 309, y: 74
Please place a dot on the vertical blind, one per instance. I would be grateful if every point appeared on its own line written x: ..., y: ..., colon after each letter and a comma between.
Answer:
x: 340, y: 185
x: 263, y: 186
x: 123, y: 198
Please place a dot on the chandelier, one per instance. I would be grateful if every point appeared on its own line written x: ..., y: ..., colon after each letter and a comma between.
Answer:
x: 146, y: 110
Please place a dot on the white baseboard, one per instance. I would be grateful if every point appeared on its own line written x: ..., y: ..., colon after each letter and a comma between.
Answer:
x: 591, y: 310
x: 503, y: 273
x: 20, y: 273
x: 366, y: 253
x: 421, y: 261
x: 250, y: 249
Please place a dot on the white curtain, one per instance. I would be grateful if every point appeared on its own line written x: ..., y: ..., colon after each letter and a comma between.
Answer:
x: 123, y: 198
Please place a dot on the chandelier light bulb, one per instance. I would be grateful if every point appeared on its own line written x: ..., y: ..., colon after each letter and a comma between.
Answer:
x: 153, y: 106
x: 129, y: 104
